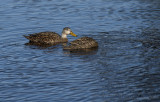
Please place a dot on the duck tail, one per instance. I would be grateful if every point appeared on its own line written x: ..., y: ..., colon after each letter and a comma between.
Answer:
x: 26, y: 36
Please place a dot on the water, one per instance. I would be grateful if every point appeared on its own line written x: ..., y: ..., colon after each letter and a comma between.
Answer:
x: 126, y: 66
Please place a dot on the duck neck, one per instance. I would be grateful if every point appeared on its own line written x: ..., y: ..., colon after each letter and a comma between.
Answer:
x: 64, y: 36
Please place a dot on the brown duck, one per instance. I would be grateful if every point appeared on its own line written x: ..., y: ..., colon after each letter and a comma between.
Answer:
x: 50, y: 37
x: 82, y: 43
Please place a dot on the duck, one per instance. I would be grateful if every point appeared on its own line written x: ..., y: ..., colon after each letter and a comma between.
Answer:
x: 50, y: 37
x: 82, y: 43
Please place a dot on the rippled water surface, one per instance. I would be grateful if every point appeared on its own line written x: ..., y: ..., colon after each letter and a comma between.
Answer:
x: 125, y: 67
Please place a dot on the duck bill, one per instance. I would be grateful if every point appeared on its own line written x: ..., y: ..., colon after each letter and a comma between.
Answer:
x: 73, y: 34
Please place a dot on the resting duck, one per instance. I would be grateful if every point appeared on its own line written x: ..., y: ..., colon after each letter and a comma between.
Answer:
x: 82, y: 43
x: 50, y: 37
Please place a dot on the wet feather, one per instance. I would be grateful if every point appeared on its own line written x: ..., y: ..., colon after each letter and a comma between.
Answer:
x: 45, y: 37
x: 82, y: 43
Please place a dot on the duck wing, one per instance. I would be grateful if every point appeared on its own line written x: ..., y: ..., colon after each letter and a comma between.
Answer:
x: 82, y: 43
x: 44, y: 37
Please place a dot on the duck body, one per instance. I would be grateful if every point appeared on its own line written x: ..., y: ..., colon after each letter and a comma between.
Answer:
x: 46, y: 38
x: 50, y: 37
x: 82, y: 43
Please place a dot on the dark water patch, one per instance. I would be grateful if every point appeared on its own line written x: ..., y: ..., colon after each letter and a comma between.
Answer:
x: 150, y: 38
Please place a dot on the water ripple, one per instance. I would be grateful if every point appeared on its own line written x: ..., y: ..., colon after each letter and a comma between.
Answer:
x: 125, y: 67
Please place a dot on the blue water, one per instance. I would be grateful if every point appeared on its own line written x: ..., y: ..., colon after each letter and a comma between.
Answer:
x: 125, y: 67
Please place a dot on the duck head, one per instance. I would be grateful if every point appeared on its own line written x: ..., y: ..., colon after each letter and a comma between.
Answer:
x: 66, y: 31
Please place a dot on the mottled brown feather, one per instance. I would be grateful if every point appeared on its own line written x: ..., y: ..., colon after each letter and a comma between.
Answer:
x: 82, y: 43
x: 45, y: 38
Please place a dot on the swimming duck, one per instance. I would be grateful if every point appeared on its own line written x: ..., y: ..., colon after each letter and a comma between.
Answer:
x: 50, y: 37
x: 82, y: 43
